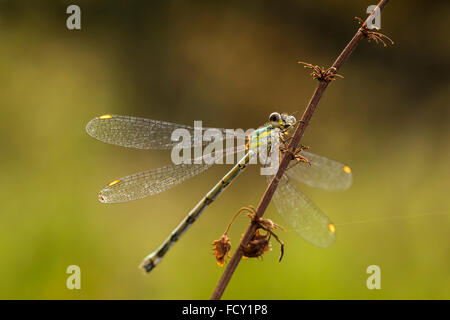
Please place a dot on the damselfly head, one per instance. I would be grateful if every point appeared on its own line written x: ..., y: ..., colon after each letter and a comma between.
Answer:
x: 289, y: 120
x: 283, y: 120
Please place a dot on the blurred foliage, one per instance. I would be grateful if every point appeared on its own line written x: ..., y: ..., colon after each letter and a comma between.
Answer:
x: 230, y: 64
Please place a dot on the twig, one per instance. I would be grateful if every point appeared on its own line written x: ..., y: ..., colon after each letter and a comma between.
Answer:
x: 267, y: 197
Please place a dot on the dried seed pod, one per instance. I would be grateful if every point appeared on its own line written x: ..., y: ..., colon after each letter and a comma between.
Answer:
x: 221, y: 249
x: 257, y: 246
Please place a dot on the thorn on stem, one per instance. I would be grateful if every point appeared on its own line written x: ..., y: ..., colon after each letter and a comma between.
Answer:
x: 375, y: 36
x: 320, y: 74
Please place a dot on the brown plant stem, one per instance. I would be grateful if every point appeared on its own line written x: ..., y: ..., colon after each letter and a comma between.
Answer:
x: 268, y: 194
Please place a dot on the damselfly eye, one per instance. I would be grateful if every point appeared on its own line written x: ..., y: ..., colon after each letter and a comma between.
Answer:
x: 274, y: 117
x: 292, y: 120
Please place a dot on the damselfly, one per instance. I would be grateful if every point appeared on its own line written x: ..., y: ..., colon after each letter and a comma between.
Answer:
x: 293, y: 205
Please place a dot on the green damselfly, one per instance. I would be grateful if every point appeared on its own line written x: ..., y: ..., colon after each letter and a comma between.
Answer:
x: 292, y: 204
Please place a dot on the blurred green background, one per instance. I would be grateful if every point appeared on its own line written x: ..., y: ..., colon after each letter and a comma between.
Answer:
x: 230, y: 64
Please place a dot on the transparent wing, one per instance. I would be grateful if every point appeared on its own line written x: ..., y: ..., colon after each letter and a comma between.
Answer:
x: 143, y: 184
x: 322, y: 173
x: 141, y: 133
x: 302, y: 214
